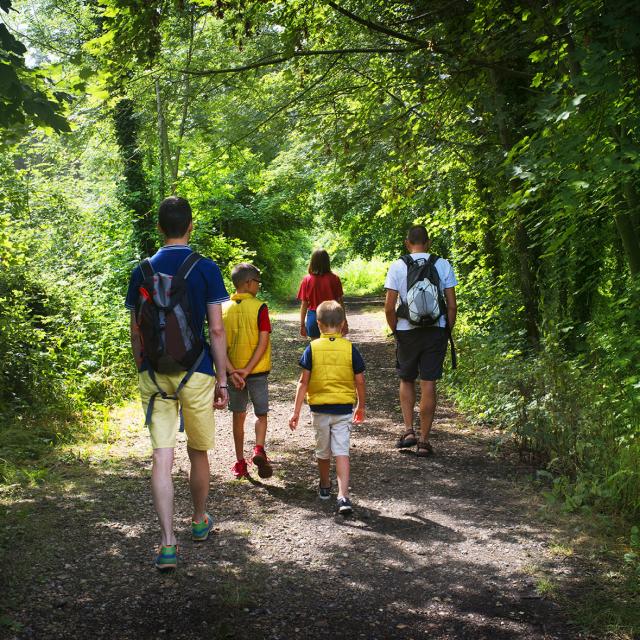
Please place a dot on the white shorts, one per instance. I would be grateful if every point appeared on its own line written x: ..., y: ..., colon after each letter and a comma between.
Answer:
x: 332, y: 434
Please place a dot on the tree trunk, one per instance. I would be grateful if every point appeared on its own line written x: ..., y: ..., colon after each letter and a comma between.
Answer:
x: 162, y: 134
x: 186, y: 78
x: 522, y: 242
x: 630, y: 241
x: 135, y: 195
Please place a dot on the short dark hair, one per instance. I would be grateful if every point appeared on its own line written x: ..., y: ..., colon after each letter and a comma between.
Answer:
x: 174, y: 216
x: 417, y: 235
x: 319, y: 263
x: 330, y: 313
x: 244, y: 272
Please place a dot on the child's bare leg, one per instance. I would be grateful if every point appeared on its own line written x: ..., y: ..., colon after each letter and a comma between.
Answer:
x: 323, y: 468
x: 342, y: 471
x: 261, y: 430
x: 238, y: 433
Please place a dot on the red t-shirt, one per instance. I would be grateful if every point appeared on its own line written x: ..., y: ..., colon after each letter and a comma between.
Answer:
x: 264, y: 324
x: 316, y: 289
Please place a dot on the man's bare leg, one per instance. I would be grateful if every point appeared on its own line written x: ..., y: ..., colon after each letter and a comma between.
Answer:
x: 407, y: 402
x: 427, y: 407
x: 199, y: 482
x: 162, y: 490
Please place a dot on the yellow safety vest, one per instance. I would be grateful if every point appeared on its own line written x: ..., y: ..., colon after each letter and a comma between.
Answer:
x: 332, y: 378
x: 240, y: 316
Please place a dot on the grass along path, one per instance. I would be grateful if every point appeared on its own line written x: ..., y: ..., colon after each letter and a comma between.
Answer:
x: 446, y: 547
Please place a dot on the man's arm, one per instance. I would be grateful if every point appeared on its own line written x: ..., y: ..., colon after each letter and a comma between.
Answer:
x: 301, y: 391
x: 258, y: 352
x: 358, y: 413
x: 218, y: 339
x: 390, y: 309
x: 136, y: 340
x: 452, y: 305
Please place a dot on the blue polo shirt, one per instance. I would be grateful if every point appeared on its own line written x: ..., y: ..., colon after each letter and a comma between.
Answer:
x: 357, y: 362
x: 205, y: 286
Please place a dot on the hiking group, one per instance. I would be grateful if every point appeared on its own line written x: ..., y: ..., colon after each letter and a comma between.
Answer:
x: 183, y: 378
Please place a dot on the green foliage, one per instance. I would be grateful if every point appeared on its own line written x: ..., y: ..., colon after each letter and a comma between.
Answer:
x: 362, y: 277
x: 63, y: 345
x: 578, y: 424
x: 26, y: 95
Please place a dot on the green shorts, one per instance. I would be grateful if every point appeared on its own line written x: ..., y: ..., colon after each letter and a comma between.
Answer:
x: 196, y: 400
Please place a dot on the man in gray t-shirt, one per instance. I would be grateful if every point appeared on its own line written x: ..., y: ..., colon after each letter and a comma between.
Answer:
x: 419, y: 350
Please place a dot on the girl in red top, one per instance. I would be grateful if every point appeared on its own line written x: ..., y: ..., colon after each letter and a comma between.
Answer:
x: 320, y: 285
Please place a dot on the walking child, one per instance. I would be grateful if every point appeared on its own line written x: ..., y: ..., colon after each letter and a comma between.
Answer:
x: 332, y: 379
x: 248, y: 328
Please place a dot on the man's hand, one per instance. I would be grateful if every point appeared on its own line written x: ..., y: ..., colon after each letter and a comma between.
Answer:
x: 243, y: 373
x: 237, y: 380
x: 345, y: 328
x: 220, y: 397
x: 293, y: 421
x: 358, y: 415
x: 303, y: 331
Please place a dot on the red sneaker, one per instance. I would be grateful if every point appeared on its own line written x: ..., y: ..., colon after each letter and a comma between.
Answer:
x: 240, y: 470
x: 265, y: 470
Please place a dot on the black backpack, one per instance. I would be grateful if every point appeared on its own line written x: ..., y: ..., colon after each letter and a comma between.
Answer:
x: 170, y: 342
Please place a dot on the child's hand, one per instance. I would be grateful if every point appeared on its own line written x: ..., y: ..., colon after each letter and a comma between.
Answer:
x: 243, y: 373
x: 237, y: 380
x: 293, y: 421
x: 303, y: 331
x: 358, y: 415
x: 345, y: 328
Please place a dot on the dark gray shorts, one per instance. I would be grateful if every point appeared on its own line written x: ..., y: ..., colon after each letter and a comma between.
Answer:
x: 256, y: 389
x: 421, y: 351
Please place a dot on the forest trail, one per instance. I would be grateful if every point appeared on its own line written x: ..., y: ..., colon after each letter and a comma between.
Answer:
x: 437, y: 548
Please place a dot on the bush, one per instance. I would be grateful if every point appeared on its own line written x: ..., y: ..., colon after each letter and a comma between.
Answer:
x: 362, y: 277
x: 579, y: 423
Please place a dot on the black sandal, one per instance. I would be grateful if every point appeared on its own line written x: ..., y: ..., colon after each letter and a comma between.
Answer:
x: 407, y: 439
x: 424, y: 450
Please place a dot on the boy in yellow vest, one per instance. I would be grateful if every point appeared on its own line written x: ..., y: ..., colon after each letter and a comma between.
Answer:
x: 332, y: 379
x: 247, y: 325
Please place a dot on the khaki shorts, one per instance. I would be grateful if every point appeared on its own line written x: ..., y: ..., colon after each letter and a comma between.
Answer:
x: 332, y: 434
x: 196, y: 399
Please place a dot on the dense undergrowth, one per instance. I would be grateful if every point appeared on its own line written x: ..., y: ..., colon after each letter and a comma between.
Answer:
x: 577, y: 418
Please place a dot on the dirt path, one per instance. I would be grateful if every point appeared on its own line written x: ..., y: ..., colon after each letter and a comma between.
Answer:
x: 437, y: 548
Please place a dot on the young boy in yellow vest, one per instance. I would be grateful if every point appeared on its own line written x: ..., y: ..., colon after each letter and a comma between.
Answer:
x: 247, y: 326
x: 332, y: 379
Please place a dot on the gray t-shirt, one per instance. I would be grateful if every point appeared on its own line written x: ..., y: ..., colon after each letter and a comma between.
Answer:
x: 397, y: 281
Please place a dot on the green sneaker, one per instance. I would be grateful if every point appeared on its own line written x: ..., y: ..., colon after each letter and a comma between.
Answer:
x: 167, y: 559
x: 200, y: 530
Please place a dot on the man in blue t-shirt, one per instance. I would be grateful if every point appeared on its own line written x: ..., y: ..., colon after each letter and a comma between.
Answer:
x: 199, y: 396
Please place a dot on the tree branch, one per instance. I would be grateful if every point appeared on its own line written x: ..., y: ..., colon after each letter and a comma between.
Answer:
x: 298, y: 54
x: 422, y: 44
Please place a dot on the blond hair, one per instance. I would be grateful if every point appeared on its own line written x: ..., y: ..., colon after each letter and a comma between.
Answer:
x: 330, y: 313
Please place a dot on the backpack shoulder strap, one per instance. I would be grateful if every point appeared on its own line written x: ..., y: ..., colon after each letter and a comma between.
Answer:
x: 407, y: 260
x: 187, y: 266
x: 433, y: 258
x: 147, y: 269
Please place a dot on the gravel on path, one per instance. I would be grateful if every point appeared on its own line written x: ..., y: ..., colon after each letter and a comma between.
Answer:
x: 437, y: 548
